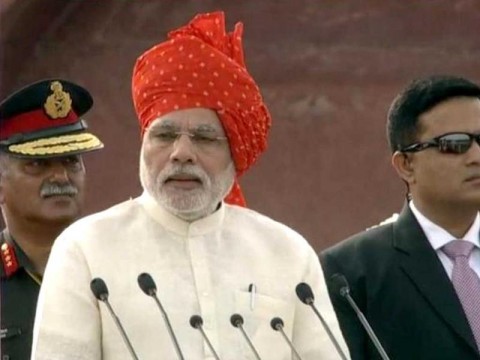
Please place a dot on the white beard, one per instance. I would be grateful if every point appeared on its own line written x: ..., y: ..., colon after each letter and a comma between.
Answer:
x: 189, y: 205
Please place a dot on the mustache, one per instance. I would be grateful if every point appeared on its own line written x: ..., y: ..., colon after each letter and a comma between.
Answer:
x: 55, y: 189
x: 184, y: 170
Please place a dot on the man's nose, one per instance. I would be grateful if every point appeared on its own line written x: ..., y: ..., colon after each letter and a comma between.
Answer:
x: 59, y: 172
x: 183, y: 150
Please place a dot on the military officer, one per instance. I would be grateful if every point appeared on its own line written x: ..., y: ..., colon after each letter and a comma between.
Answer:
x: 42, y: 180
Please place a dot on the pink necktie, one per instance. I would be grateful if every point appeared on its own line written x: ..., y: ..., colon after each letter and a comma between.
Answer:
x: 466, y: 283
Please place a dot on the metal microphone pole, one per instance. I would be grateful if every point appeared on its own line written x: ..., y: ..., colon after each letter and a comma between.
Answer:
x: 277, y: 325
x: 100, y: 290
x: 305, y: 294
x: 237, y: 321
x: 196, y: 322
x: 344, y: 289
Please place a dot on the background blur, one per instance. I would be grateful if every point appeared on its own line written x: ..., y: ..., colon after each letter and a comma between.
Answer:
x: 328, y: 69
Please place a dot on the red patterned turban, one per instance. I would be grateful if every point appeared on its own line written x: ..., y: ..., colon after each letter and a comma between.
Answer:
x: 200, y: 65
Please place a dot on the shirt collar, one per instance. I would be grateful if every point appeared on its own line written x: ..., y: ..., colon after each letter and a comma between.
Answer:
x: 179, y: 226
x: 437, y: 236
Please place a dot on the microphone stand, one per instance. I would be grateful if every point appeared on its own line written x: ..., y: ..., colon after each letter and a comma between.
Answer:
x: 277, y: 325
x: 196, y: 322
x: 237, y: 321
x: 169, y: 328
x: 341, y: 283
x: 121, y: 329
x: 147, y: 285
x: 305, y: 294
x: 100, y: 291
x: 367, y: 327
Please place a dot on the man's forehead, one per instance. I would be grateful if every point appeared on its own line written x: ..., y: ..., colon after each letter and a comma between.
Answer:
x: 457, y: 114
x: 192, y: 119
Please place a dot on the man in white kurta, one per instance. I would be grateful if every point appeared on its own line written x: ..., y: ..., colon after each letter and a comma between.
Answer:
x: 204, y: 267
x: 190, y: 229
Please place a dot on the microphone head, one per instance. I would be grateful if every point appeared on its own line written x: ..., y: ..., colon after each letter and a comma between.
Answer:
x: 236, y: 320
x: 305, y: 293
x: 99, y: 289
x: 340, y: 284
x: 276, y: 323
x: 196, y: 321
x: 146, y: 283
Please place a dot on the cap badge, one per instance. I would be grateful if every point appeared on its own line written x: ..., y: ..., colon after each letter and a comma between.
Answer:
x: 58, y: 104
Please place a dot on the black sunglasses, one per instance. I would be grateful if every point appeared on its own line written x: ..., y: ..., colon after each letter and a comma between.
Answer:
x: 451, y: 143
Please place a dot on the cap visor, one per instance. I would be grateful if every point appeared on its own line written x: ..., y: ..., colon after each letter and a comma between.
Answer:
x: 57, y: 146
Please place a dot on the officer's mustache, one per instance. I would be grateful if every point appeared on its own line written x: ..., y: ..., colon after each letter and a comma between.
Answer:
x: 55, y: 189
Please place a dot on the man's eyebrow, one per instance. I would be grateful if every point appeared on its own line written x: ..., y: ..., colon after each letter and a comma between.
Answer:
x: 206, y: 128
x: 163, y: 125
x: 168, y: 125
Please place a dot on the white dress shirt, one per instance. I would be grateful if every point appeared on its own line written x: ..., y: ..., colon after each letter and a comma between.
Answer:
x: 438, y: 237
x: 204, y: 267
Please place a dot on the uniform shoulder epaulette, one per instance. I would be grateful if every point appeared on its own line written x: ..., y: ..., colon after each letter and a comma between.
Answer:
x: 9, y: 259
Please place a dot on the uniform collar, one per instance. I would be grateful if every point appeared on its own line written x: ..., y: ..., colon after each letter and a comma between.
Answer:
x: 12, y: 256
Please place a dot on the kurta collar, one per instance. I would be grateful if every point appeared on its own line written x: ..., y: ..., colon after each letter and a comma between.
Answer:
x: 176, y: 225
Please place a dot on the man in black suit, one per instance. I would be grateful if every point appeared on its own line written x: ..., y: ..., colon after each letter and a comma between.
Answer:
x: 399, y: 273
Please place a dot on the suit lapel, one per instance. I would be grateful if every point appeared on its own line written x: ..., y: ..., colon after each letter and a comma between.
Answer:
x: 421, y: 264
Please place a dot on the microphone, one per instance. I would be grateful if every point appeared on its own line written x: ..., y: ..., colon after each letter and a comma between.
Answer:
x: 341, y: 286
x: 277, y: 325
x: 305, y: 294
x: 237, y: 321
x: 146, y: 283
x: 100, y: 290
x: 196, y: 322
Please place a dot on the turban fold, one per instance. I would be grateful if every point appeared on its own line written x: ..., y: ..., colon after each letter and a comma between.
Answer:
x: 200, y: 65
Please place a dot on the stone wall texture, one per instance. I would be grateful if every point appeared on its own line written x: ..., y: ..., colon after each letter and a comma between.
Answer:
x: 328, y: 69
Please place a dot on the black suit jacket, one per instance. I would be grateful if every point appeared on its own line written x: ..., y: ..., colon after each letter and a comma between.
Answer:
x: 399, y: 283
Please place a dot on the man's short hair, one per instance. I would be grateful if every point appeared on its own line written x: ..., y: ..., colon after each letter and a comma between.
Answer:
x: 417, y: 98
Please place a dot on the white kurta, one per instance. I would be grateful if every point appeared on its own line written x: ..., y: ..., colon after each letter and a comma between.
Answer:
x: 203, y: 268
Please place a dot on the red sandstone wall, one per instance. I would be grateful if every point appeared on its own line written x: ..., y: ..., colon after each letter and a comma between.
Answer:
x: 328, y: 70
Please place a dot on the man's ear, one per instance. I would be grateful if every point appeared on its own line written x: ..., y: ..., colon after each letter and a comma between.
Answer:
x: 402, y: 162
